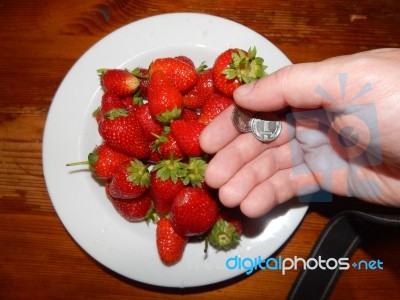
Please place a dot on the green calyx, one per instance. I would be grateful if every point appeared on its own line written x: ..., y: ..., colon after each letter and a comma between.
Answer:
x: 137, y: 72
x: 169, y: 115
x: 137, y: 98
x: 96, y: 111
x: 101, y: 72
x: 246, y: 67
x: 194, y: 172
x: 93, y: 157
x: 170, y: 168
x: 223, y: 235
x: 159, y: 140
x: 151, y: 215
x: 116, y: 113
x: 191, y: 173
x: 138, y: 173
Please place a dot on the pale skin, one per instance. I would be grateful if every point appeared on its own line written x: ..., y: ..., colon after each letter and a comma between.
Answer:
x: 304, y: 158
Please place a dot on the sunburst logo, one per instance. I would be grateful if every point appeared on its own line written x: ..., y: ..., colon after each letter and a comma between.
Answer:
x: 358, y: 140
x: 336, y: 140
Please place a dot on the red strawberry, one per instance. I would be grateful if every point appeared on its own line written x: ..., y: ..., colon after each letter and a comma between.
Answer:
x: 181, y: 74
x: 103, y: 161
x: 121, y: 130
x: 154, y: 155
x: 212, y: 107
x: 186, y: 134
x: 166, y: 146
x: 234, y: 67
x: 203, y: 89
x: 226, y: 232
x: 132, y: 102
x: 163, y: 193
x: 166, y: 183
x: 165, y: 101
x: 170, y: 244
x: 186, y: 59
x: 110, y: 101
x: 118, y: 81
x: 150, y: 125
x: 189, y: 115
x: 130, y: 180
x: 193, y: 211
x: 132, y: 210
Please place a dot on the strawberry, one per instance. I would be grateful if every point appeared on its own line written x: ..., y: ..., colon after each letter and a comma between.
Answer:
x: 154, y: 155
x: 165, y: 183
x: 150, y: 125
x: 103, y: 161
x: 193, y: 211
x: 226, y: 232
x: 186, y: 59
x: 132, y: 210
x: 130, y: 180
x: 170, y: 244
x: 189, y: 115
x: 212, y: 107
x: 181, y: 74
x: 165, y: 101
x: 121, y: 130
x: 203, y: 89
x: 166, y: 145
x: 186, y: 134
x: 118, y: 81
x: 234, y: 67
x: 110, y: 101
x: 132, y: 102
x: 163, y: 193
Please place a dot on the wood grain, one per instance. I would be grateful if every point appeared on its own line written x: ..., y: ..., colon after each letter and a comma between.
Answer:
x: 41, y: 40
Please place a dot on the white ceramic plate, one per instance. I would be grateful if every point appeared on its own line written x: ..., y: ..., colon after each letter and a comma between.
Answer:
x: 71, y: 133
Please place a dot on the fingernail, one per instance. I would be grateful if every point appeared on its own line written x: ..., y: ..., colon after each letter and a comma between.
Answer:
x: 244, y: 89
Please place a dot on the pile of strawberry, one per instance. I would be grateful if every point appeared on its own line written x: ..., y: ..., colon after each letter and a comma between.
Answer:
x: 150, y: 160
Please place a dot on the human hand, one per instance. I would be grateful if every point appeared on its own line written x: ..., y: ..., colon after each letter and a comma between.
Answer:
x: 341, y: 134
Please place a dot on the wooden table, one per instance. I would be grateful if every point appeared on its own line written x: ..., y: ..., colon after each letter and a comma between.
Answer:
x: 41, y: 40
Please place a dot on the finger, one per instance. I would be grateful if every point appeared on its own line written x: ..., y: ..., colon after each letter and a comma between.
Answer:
x: 245, y: 147
x: 297, y: 86
x: 219, y: 132
x: 258, y: 170
x: 281, y: 187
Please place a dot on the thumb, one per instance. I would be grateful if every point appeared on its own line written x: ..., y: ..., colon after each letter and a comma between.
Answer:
x: 295, y: 86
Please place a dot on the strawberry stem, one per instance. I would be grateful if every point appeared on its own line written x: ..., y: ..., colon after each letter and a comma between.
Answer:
x: 201, y: 68
x: 79, y: 163
x: 205, y: 244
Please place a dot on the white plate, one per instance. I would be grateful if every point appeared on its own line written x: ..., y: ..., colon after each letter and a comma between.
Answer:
x: 71, y: 133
